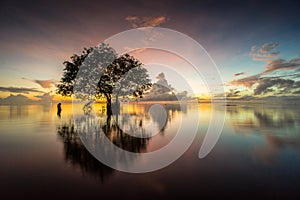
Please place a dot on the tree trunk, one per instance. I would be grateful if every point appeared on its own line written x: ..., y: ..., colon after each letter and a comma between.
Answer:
x: 108, y: 106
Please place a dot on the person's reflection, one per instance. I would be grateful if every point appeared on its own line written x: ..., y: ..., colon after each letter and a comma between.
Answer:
x: 76, y: 153
x: 59, y: 109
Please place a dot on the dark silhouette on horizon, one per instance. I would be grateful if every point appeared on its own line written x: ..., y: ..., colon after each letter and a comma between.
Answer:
x: 59, y: 109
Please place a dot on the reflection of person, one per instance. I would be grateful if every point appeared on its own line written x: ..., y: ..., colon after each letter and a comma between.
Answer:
x: 58, y: 109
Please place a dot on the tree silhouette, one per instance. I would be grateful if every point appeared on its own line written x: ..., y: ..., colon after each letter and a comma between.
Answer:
x: 99, y: 72
x: 66, y: 85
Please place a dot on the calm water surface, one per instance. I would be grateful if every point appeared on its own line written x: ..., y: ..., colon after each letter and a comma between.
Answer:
x: 257, y: 155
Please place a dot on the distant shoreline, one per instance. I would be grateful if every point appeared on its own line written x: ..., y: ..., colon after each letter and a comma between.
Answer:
x: 291, y: 102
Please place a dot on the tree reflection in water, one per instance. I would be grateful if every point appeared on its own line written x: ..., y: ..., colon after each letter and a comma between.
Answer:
x: 76, y: 153
x: 124, y: 140
x: 91, y: 130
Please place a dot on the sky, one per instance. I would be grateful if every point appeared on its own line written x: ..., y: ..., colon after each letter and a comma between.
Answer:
x: 254, y: 44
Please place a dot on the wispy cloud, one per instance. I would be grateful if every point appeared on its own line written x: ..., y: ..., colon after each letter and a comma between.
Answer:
x: 296, y: 92
x: 239, y: 74
x: 264, y: 52
x: 267, y: 47
x: 282, y: 64
x: 18, y: 90
x: 233, y: 93
x: 43, y: 83
x: 247, y: 82
x: 137, y: 22
x: 46, y: 97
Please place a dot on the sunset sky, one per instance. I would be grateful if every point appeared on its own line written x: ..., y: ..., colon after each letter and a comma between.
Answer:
x: 255, y: 44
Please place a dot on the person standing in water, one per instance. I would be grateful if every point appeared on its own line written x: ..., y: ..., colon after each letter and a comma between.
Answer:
x: 58, y: 109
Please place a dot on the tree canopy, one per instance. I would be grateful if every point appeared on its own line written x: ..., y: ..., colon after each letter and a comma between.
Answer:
x: 98, y: 72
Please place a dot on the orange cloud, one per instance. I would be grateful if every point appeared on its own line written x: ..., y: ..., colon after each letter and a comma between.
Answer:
x: 264, y: 53
x: 239, y: 74
x: 137, y: 22
x: 281, y: 64
x: 18, y: 90
x: 43, y: 83
x: 247, y: 82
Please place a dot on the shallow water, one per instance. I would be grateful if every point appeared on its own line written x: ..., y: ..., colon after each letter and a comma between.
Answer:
x: 257, y: 154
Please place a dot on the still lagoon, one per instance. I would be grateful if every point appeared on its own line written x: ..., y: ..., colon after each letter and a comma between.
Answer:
x: 256, y: 156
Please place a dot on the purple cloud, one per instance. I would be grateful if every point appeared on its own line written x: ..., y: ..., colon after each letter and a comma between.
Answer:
x: 18, y: 90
